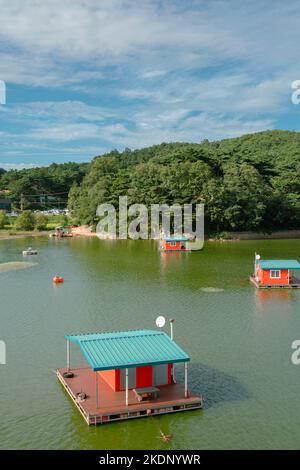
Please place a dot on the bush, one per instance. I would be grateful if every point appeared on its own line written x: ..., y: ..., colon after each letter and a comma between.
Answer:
x: 3, y: 219
x: 62, y: 219
x: 25, y: 221
x: 41, y: 221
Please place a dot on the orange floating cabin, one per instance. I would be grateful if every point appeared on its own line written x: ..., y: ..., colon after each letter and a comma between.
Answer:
x: 276, y: 273
x: 174, y: 244
x: 130, y: 375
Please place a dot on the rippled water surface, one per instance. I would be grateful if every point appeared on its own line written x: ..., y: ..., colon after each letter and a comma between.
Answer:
x: 239, y: 339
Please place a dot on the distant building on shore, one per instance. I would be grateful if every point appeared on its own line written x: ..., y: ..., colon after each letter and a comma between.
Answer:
x: 5, y: 204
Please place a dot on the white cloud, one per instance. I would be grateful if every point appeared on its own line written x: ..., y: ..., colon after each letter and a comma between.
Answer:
x: 59, y: 110
x: 17, y: 166
x: 151, y: 71
x: 66, y: 132
x: 46, y: 38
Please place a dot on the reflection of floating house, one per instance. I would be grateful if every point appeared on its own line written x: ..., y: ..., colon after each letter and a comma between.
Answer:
x: 130, y: 375
x: 276, y: 273
x: 174, y: 243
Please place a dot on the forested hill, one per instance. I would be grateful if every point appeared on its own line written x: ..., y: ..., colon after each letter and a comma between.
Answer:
x: 247, y: 183
x: 29, y: 184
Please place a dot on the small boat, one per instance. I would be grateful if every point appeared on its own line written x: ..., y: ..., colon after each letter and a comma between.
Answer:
x: 29, y: 251
x: 61, y: 232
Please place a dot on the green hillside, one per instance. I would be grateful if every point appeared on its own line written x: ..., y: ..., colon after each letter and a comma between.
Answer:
x: 247, y: 183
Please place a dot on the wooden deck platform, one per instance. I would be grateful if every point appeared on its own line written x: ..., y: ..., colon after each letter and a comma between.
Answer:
x: 294, y: 284
x: 112, y: 405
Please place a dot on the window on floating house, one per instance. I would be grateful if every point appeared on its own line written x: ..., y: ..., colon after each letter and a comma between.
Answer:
x: 274, y: 274
x: 172, y: 243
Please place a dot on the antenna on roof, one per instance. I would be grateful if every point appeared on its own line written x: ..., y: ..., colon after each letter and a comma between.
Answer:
x: 160, y: 323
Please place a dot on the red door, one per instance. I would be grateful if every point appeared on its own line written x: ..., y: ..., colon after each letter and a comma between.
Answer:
x: 144, y: 377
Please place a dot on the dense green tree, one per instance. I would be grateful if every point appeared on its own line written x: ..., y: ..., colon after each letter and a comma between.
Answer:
x: 25, y: 221
x: 3, y: 219
x: 27, y: 186
x: 41, y: 221
x: 245, y: 197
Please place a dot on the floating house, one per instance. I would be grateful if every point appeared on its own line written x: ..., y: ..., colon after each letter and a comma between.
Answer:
x: 276, y: 273
x: 130, y: 374
x: 174, y: 243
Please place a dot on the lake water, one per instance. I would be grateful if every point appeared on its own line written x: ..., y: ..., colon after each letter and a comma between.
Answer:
x: 239, y: 339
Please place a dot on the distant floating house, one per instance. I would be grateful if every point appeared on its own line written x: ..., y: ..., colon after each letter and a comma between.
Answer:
x: 130, y: 374
x: 174, y: 243
x: 276, y: 273
x: 5, y: 204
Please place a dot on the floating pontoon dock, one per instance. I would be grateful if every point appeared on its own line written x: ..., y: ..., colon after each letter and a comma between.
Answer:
x: 121, y: 365
x: 279, y: 273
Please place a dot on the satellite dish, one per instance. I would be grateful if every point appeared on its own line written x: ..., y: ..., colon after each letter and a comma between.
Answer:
x: 160, y: 321
x: 257, y: 256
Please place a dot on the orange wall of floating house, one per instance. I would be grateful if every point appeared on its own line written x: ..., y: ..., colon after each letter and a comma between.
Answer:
x: 264, y: 276
x: 172, y: 246
x: 144, y: 377
x: 110, y: 377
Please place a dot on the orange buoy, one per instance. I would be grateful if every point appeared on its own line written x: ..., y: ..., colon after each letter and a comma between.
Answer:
x: 58, y: 279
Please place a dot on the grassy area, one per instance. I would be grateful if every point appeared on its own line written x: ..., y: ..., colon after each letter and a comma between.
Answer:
x: 53, y: 221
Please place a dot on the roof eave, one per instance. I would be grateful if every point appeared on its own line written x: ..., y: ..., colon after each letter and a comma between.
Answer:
x: 130, y: 366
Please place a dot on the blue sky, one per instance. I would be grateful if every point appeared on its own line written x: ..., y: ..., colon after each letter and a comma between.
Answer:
x: 87, y: 76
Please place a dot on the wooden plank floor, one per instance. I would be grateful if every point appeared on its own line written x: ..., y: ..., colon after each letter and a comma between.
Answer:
x: 113, y: 403
x: 294, y: 284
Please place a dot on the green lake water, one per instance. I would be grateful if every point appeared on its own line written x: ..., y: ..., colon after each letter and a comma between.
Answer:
x: 239, y: 339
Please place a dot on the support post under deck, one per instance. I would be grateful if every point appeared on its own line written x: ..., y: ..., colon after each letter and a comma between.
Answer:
x: 185, y: 380
x: 97, y: 391
x: 126, y: 385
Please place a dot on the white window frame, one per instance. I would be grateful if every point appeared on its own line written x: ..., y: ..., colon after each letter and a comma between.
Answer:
x: 172, y: 243
x: 274, y: 272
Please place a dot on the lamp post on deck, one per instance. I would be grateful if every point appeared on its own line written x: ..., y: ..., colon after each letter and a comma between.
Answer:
x: 185, y: 380
x: 68, y: 355
x: 97, y: 391
x: 172, y: 328
x: 126, y: 386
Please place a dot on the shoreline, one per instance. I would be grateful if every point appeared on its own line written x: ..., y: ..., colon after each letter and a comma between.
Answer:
x: 15, y: 236
x: 85, y: 231
x: 240, y: 236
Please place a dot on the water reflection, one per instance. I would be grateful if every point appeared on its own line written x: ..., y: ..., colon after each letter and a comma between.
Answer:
x: 169, y: 260
x: 268, y: 297
x: 214, y: 385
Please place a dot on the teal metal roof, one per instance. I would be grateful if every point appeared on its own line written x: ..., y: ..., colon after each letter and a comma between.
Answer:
x: 279, y: 264
x: 176, y: 239
x: 124, y: 349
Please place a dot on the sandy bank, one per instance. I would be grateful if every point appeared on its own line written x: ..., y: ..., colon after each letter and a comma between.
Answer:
x: 83, y: 230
